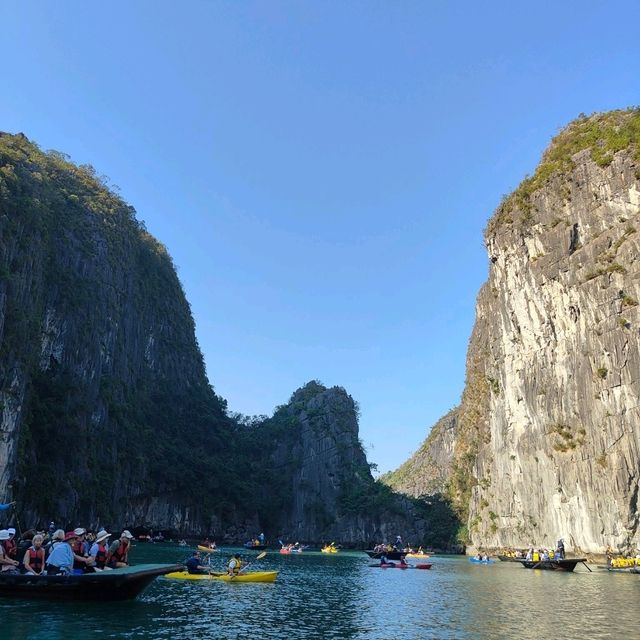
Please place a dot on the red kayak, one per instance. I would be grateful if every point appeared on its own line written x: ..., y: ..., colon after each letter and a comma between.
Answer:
x: 402, y: 566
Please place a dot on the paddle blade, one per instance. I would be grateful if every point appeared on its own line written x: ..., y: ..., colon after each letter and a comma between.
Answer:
x: 261, y: 555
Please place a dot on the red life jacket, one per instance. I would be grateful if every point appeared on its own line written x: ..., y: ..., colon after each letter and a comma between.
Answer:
x: 101, y: 556
x: 119, y: 555
x: 10, y: 548
x: 36, y: 558
x: 78, y: 548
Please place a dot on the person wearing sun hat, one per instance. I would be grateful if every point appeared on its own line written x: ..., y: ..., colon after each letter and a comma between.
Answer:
x: 61, y: 558
x: 7, y: 564
x: 10, y: 546
x: 99, y: 549
x: 119, y: 550
x: 81, y: 560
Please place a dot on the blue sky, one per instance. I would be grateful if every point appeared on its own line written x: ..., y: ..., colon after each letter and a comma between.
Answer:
x: 321, y: 172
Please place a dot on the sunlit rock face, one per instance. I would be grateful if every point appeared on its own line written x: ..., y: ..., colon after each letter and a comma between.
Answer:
x: 427, y: 471
x: 557, y: 349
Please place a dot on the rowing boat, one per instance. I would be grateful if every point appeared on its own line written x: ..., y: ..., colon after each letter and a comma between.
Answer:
x: 250, y: 576
x: 116, y: 584
x: 566, y: 564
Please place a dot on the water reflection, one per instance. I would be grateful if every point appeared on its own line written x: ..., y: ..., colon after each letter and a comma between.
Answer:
x: 340, y: 597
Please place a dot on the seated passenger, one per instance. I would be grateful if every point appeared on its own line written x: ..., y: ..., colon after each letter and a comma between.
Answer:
x: 193, y: 564
x: 119, y: 551
x: 10, y: 545
x: 33, y: 558
x: 61, y: 559
x: 235, y: 565
x: 7, y: 564
x: 56, y: 538
x: 545, y: 556
x: 99, y: 550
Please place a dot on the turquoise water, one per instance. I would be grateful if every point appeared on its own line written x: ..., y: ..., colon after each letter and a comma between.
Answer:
x: 338, y: 596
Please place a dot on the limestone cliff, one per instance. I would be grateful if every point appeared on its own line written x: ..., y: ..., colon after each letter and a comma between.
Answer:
x: 549, y: 437
x: 105, y: 410
x: 106, y: 413
x: 428, y: 470
x: 320, y: 484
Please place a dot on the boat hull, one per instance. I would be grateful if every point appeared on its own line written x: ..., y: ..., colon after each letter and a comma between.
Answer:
x: 390, y: 555
x: 254, y: 576
x: 552, y: 565
x: 255, y: 547
x: 117, y: 584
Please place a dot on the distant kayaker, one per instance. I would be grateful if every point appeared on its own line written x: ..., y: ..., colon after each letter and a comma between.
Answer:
x: 119, y: 550
x: 235, y: 564
x: 193, y: 564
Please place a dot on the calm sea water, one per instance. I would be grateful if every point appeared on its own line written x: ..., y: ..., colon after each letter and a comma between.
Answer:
x: 338, y: 596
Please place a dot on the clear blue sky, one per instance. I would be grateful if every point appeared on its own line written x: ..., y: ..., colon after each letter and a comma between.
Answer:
x: 321, y: 172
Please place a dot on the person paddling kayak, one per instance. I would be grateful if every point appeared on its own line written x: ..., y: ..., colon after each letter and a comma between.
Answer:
x: 235, y: 564
x: 194, y: 565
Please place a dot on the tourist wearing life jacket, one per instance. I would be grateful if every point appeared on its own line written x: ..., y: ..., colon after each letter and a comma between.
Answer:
x: 34, y: 557
x: 10, y: 546
x: 7, y: 564
x: 80, y: 561
x: 235, y: 564
x: 119, y: 550
x: 99, y: 549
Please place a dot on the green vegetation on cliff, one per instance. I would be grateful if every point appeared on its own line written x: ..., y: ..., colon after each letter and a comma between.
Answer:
x: 97, y: 342
x: 602, y: 134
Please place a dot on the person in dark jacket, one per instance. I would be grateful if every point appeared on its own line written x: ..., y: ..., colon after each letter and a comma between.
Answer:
x: 193, y: 564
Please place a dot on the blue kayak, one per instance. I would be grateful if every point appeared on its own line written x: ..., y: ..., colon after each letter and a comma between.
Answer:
x: 476, y: 561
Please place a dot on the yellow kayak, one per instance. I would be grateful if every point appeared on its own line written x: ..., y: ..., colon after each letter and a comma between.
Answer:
x: 329, y: 550
x: 206, y: 549
x: 417, y: 555
x: 250, y: 576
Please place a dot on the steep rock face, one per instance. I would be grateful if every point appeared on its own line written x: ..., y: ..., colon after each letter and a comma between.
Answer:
x: 100, y: 371
x: 325, y: 490
x: 427, y: 472
x: 554, y: 450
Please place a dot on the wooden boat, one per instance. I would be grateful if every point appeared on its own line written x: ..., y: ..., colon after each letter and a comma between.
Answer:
x: 390, y: 555
x: 566, y: 564
x: 255, y: 547
x: 509, y: 559
x: 117, y: 584
x: 620, y: 569
x: 249, y: 576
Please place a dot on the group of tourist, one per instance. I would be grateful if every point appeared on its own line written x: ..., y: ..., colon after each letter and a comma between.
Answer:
x: 58, y: 552
x: 545, y: 555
